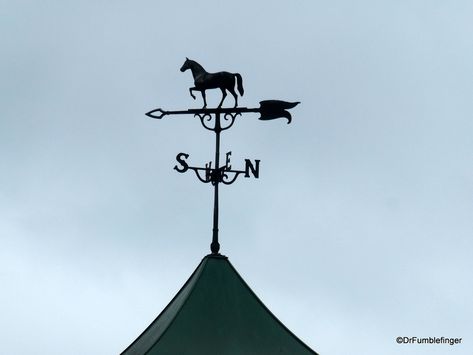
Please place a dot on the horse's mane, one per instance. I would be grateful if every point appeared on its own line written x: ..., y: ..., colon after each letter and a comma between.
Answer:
x: 196, y: 65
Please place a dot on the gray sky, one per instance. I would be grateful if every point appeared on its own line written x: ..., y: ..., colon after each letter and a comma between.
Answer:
x: 358, y: 230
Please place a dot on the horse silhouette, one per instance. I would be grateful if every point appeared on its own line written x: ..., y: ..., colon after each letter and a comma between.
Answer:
x: 222, y: 80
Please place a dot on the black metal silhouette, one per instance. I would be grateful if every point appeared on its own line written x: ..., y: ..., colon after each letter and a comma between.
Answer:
x: 217, y: 120
x: 222, y: 80
x: 271, y: 109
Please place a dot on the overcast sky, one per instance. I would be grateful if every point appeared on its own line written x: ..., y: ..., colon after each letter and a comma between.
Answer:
x: 359, y: 229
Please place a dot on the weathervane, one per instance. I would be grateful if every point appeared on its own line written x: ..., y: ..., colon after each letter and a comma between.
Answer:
x: 211, y: 119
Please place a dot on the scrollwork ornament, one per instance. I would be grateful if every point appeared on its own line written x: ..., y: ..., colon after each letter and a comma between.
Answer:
x: 205, y: 179
x: 230, y: 117
x: 205, y: 117
x: 227, y: 180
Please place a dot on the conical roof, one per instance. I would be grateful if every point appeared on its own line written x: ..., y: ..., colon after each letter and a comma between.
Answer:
x: 216, y: 313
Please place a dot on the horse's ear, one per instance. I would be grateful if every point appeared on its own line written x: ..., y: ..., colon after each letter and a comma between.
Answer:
x: 187, y: 58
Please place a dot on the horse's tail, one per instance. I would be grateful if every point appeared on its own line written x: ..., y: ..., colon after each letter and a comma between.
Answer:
x: 239, y: 84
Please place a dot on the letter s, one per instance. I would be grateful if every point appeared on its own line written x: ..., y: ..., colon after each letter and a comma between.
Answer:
x: 181, y: 159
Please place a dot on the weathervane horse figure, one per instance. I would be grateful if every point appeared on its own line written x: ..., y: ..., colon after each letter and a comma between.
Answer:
x: 222, y: 80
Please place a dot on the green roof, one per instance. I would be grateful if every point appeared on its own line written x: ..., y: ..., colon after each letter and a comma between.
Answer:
x: 216, y: 313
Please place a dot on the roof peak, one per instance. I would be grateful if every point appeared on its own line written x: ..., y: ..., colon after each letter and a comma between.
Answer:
x: 216, y: 312
x: 216, y: 256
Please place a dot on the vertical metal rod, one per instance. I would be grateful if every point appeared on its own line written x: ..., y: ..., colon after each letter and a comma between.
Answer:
x: 215, y: 246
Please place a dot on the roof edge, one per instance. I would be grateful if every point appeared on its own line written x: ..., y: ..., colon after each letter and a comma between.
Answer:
x: 269, y: 311
x: 194, y: 274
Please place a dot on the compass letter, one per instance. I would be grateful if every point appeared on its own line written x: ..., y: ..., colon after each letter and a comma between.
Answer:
x: 249, y: 166
x: 181, y: 159
x: 227, y: 161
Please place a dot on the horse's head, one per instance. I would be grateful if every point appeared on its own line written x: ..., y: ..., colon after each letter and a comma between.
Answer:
x: 186, y: 65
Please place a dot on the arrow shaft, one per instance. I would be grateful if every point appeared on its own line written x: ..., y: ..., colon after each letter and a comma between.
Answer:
x: 160, y: 113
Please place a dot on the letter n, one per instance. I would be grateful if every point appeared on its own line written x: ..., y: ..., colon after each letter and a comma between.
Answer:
x: 254, y: 170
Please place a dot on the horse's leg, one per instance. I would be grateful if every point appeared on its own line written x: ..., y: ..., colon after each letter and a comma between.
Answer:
x: 190, y: 90
x: 203, y: 96
x: 224, y: 94
x: 232, y: 91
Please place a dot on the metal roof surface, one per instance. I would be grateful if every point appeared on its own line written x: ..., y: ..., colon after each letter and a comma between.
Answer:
x: 216, y: 313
